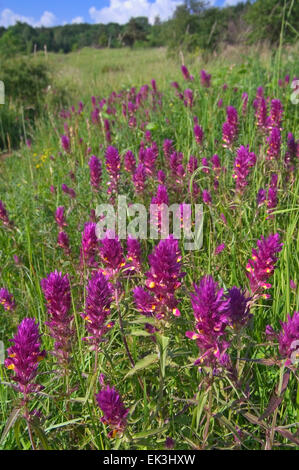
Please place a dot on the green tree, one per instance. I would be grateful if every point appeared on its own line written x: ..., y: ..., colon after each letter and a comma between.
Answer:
x: 266, y: 17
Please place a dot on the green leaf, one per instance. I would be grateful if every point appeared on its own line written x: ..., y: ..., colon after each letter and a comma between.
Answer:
x: 10, y: 422
x: 143, y: 364
x: 140, y: 333
x: 151, y: 432
x: 151, y: 126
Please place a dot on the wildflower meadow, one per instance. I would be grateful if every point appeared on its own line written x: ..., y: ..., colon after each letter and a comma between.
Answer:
x: 171, y: 322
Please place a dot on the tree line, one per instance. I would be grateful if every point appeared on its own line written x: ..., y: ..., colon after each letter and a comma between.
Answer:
x: 193, y: 26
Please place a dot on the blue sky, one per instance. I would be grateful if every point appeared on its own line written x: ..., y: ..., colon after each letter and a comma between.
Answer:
x: 53, y: 12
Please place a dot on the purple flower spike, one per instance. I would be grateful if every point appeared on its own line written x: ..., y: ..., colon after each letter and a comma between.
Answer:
x: 261, y: 267
x: 7, y: 300
x: 68, y: 191
x: 65, y: 143
x: 57, y: 292
x: 139, y: 178
x: 243, y: 162
x: 130, y: 162
x: 3, y: 214
x: 24, y: 357
x: 89, y: 245
x: 133, y: 254
x: 97, y: 311
x: 59, y: 217
x: 114, y: 412
x: 111, y: 254
x: 188, y: 94
x: 238, y: 308
x: 205, y: 79
x: 206, y: 197
x: 113, y: 168
x: 274, y: 144
x: 63, y: 242
x: 198, y: 133
x: 186, y: 73
x: 168, y: 148
x: 210, y: 312
x: 289, y: 339
x: 95, y: 167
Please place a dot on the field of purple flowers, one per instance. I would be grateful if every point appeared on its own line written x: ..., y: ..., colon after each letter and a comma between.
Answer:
x: 127, y: 343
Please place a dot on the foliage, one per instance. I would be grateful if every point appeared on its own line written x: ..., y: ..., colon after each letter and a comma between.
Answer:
x: 165, y: 394
x: 194, y: 25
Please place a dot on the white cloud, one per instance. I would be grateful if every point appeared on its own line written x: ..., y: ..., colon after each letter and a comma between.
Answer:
x: 120, y: 11
x: 47, y: 19
x: 78, y: 20
x: 9, y: 18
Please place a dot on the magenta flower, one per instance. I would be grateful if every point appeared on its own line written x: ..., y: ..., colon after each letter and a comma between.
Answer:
x: 243, y: 162
x: 261, y: 113
x: 144, y: 301
x: 24, y: 357
x: 192, y: 164
x: 276, y: 113
x: 168, y: 148
x: 65, y: 143
x: 274, y: 143
x: 261, y: 197
x: 139, y: 178
x: 261, y: 267
x: 59, y: 217
x: 158, y: 204
x: 238, y: 309
x: 57, y: 292
x: 68, y: 191
x: 205, y: 165
x: 114, y: 412
x: 210, y: 312
x: 232, y: 116
x: 188, y: 94
x: 95, y: 167
x: 206, y: 197
x: 133, y: 254
x: 290, y: 154
x: 63, y: 242
x: 176, y: 159
x: 97, y: 310
x: 149, y: 160
x: 230, y: 127
x: 198, y: 133
x: 220, y: 248
x: 7, y: 300
x: 89, y: 245
x: 130, y: 162
x: 111, y: 254
x: 3, y: 214
x: 161, y: 177
x: 205, y: 79
x: 228, y: 134
x: 113, y: 168
x: 186, y: 73
x: 163, y: 279
x: 289, y: 339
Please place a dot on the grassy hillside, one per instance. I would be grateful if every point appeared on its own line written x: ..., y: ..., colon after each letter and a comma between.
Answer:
x: 149, y: 358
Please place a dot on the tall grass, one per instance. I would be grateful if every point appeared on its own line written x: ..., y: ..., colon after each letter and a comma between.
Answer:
x: 168, y: 396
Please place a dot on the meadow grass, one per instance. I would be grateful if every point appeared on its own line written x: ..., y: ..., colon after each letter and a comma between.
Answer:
x: 168, y: 396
